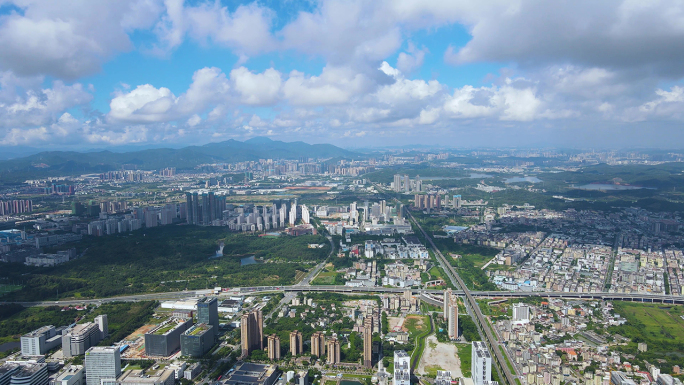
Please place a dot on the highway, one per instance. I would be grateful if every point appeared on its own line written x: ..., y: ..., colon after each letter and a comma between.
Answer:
x: 176, y: 295
x: 505, y: 374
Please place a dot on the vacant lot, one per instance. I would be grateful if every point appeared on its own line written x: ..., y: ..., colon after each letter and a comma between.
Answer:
x: 439, y: 356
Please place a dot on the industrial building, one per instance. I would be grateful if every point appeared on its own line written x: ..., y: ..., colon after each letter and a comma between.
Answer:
x: 140, y: 377
x: 253, y: 374
x: 40, y: 341
x: 197, y: 340
x: 80, y: 338
x: 165, y: 339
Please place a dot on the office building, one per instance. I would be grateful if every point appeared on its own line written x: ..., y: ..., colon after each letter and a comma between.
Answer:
x: 207, y: 313
x: 368, y: 342
x: 248, y: 373
x: 80, y: 338
x: 252, y: 332
x: 40, y: 341
x: 30, y: 373
x: 333, y: 347
x: 6, y: 371
x: 72, y: 375
x: 296, y: 343
x: 197, y: 340
x: 102, y: 363
x: 165, y: 338
x: 452, y: 322
x: 103, y: 325
x: 318, y: 344
x: 521, y: 313
x: 481, y: 363
x: 402, y: 368
x: 139, y: 377
x: 273, y: 347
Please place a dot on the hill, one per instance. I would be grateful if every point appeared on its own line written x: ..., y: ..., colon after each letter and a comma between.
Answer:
x: 53, y: 163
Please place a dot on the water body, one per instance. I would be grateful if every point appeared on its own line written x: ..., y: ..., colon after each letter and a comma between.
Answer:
x: 608, y: 187
x: 454, y: 229
x: 247, y: 261
x: 9, y: 346
x: 520, y: 179
x: 347, y: 382
x: 472, y: 176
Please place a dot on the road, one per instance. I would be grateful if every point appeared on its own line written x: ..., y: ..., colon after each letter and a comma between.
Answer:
x: 500, y: 362
x: 289, y: 295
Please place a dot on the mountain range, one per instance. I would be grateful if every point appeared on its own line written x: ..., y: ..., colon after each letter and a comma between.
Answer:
x: 54, y: 163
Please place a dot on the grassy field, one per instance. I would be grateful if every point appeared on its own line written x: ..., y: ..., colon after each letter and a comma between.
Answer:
x: 659, y: 326
x: 418, y: 327
x: 508, y: 362
x: 4, y: 289
x: 465, y: 352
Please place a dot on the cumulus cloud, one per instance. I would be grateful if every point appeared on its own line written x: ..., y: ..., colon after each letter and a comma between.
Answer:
x: 247, y: 30
x: 335, y: 85
x: 68, y: 39
x: 256, y: 89
x: 147, y: 103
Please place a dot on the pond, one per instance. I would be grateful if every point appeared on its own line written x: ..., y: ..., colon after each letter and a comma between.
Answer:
x: 247, y: 261
x: 520, y: 179
x: 9, y: 346
x: 347, y: 382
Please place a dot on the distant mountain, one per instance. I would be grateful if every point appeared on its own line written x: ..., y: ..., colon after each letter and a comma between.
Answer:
x: 53, y: 163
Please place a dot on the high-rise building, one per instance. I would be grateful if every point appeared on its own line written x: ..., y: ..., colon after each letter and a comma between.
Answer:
x: 481, y: 363
x: 446, y: 304
x: 333, y: 347
x: 102, y: 363
x: 402, y: 368
x: 274, y: 347
x: 521, y: 313
x: 196, y: 214
x: 207, y: 313
x: 318, y: 344
x: 397, y: 183
x: 102, y: 324
x: 306, y: 217
x: 452, y: 322
x: 296, y: 343
x: 407, y: 183
x: 368, y: 342
x: 251, y: 330
x: 40, y: 341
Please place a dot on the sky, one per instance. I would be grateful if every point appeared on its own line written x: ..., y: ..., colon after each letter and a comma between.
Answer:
x: 514, y: 73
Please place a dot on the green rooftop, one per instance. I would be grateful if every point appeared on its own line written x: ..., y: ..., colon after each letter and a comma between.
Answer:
x: 198, y: 329
x: 166, y: 328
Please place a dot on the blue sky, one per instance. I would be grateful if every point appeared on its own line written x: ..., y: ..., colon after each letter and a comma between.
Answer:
x: 83, y: 74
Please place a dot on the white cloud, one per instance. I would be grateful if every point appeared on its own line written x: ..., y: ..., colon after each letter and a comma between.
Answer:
x: 335, y: 85
x: 147, y: 103
x: 257, y: 89
x: 194, y: 120
x: 247, y: 30
x: 411, y: 60
x: 69, y: 39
